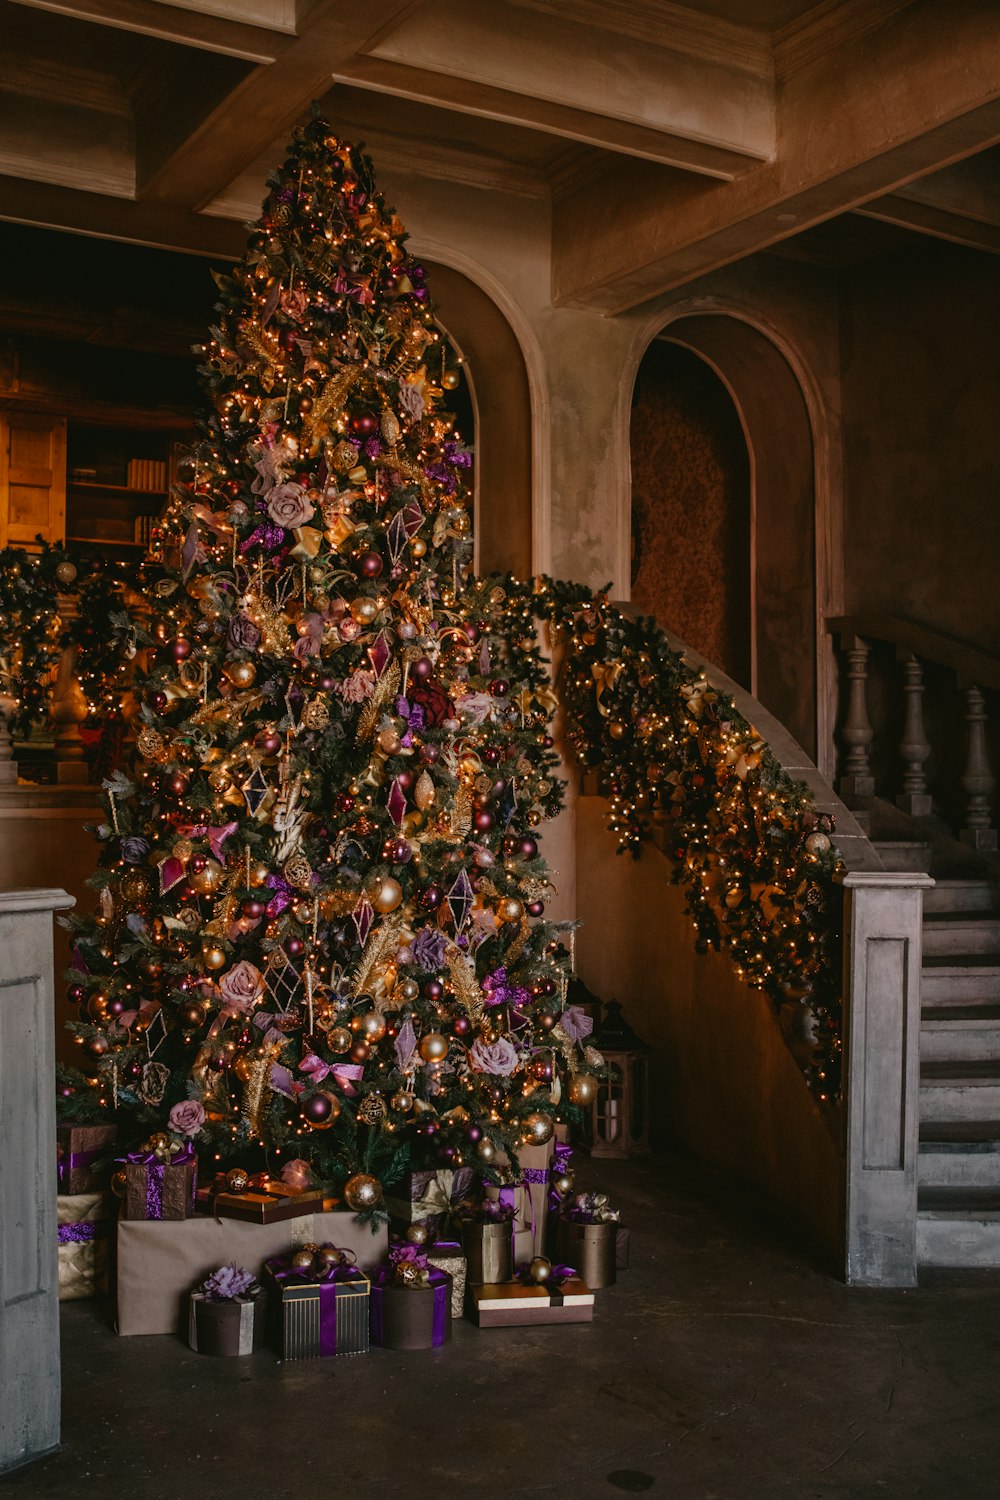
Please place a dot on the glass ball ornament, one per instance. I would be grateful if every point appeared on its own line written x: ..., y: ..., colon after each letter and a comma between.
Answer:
x: 582, y: 1089
x: 537, y: 1128
x: 540, y: 1269
x: 485, y: 1150
x: 339, y: 1039
x: 362, y: 1192
x: 208, y: 879
x: 401, y: 1102
x: 418, y: 1234
x: 371, y: 1026
x: 213, y: 957
x: 433, y: 1047
x: 237, y: 1180
x: 320, y: 1110
x: 385, y: 894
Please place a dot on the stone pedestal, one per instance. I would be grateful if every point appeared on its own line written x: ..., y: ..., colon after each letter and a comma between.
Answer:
x: 29, y: 1298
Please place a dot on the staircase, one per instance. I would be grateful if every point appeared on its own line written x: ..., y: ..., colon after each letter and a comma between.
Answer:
x: 958, y: 1202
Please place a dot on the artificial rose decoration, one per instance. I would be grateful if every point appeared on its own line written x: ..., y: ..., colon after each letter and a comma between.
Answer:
x: 434, y: 701
x: 288, y: 506
x: 186, y: 1118
x: 244, y: 635
x: 241, y: 986
x: 134, y: 848
x: 499, y: 1057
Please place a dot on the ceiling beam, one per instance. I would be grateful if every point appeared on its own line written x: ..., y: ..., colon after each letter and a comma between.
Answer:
x: 858, y: 121
x: 79, y: 212
x: 263, y: 106
x: 960, y: 204
x: 174, y: 23
x: 546, y: 72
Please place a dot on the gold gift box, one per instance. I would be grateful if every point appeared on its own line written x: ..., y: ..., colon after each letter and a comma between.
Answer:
x: 512, y: 1304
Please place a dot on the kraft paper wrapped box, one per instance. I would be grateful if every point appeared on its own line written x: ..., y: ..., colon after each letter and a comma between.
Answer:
x: 86, y: 1232
x: 160, y: 1260
x: 487, y: 1243
x: 529, y: 1198
x: 158, y: 1189
x: 83, y: 1154
x: 514, y: 1304
x: 316, y: 1315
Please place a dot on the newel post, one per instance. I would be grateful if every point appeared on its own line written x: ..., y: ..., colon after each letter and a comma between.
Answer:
x: 882, y: 963
x: 29, y: 1293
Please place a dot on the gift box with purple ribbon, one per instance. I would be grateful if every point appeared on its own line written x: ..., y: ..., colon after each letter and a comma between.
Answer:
x: 86, y: 1222
x: 527, y: 1193
x: 82, y: 1156
x: 447, y: 1255
x: 158, y: 1188
x: 320, y: 1304
x: 410, y: 1301
x: 487, y: 1239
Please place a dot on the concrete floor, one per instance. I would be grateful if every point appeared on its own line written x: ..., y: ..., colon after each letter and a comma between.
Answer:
x: 725, y: 1365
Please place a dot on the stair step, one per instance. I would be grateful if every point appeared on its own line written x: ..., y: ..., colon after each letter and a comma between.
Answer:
x: 960, y: 1091
x: 960, y: 935
x: 958, y: 1155
x: 960, y: 1033
x: 952, y: 895
x: 904, y: 854
x: 945, y: 981
x: 958, y: 1238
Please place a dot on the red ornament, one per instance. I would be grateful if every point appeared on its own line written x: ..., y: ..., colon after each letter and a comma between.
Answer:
x: 370, y: 564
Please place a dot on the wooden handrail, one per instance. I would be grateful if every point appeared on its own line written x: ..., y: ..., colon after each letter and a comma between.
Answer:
x: 972, y: 666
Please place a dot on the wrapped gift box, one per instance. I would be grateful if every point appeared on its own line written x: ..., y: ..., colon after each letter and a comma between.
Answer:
x: 513, y: 1304
x: 447, y: 1256
x: 429, y: 1197
x: 407, y: 1316
x: 529, y: 1198
x: 86, y: 1228
x: 270, y: 1205
x: 316, y: 1317
x: 160, y: 1260
x: 591, y: 1248
x: 234, y: 1326
x: 488, y: 1251
x: 160, y: 1190
x: 83, y: 1153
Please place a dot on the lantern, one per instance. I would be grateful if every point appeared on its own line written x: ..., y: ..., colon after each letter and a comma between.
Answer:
x: 619, y: 1117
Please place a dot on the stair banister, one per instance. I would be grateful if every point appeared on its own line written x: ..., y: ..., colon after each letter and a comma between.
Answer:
x: 882, y: 964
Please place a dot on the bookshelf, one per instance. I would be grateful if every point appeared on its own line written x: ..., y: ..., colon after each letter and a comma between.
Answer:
x: 117, y: 481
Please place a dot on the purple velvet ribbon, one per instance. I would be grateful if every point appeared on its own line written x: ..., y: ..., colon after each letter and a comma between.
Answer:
x: 553, y: 1283
x: 154, y: 1174
x: 68, y: 1164
x: 326, y: 1281
x: 385, y: 1276
x: 83, y: 1233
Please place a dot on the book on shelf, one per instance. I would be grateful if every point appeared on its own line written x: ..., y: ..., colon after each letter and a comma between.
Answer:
x: 143, y: 530
x: 147, y: 474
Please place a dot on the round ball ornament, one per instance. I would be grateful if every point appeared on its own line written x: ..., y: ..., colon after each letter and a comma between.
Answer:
x: 320, y: 1110
x: 485, y: 1150
x: 339, y: 1039
x: 433, y: 1047
x: 540, y: 1269
x: 418, y: 1234
x: 242, y: 674
x: 237, y: 1180
x: 208, y: 879
x: 510, y: 909
x: 66, y: 573
x: 386, y: 894
x: 362, y: 1192
x: 450, y: 380
x: 817, y: 843
x: 582, y: 1089
x: 562, y: 1184
x: 371, y: 1026
x: 401, y: 1103
x: 303, y: 1262
x: 213, y: 958
x: 537, y: 1128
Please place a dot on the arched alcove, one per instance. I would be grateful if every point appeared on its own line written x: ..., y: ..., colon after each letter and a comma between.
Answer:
x: 771, y: 406
x: 498, y: 382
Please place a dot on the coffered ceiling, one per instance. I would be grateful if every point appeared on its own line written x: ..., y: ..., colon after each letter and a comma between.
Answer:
x: 711, y: 129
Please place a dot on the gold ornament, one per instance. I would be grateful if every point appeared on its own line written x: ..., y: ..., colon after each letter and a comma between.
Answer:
x: 537, y: 1128
x: 418, y: 1233
x: 213, y: 957
x: 339, y: 1039
x: 298, y: 872
x: 485, y: 1150
x: 582, y: 1089
x: 450, y: 380
x: 371, y: 1026
x: 237, y: 1180
x: 540, y: 1269
x: 207, y: 880
x: 423, y: 792
x: 562, y: 1184
x: 316, y: 715
x: 401, y: 1103
x: 386, y: 894
x: 362, y: 1192
x: 364, y: 611
x: 389, y: 742
x: 150, y: 744
x: 433, y: 1047
x: 242, y: 674
x: 372, y: 1110
x: 509, y: 909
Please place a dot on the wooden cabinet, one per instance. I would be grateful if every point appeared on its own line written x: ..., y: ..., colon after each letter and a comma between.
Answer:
x: 32, y: 477
x: 93, y: 483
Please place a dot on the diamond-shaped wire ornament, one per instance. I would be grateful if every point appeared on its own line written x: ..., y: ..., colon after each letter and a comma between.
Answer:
x: 380, y: 653
x: 282, y: 980
x: 363, y: 916
x: 460, y: 899
x: 255, y: 789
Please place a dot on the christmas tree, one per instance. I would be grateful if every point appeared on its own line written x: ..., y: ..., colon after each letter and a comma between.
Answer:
x: 320, y: 933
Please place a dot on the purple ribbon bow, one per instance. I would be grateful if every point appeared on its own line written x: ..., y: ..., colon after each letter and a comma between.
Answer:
x: 154, y: 1174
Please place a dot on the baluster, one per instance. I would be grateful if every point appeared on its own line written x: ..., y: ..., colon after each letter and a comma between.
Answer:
x: 68, y: 709
x: 914, y: 746
x: 978, y: 780
x: 856, y: 779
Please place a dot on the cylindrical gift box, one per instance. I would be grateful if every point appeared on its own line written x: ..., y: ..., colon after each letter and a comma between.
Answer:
x: 590, y: 1249
x: 488, y: 1251
x: 235, y: 1326
x: 411, y: 1317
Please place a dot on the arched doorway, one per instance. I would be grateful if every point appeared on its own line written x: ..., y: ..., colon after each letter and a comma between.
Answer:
x: 753, y: 557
